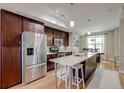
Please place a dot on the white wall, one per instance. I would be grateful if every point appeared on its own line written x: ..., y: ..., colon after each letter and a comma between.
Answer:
x: 121, y: 46
x: 116, y: 42
x: 110, y: 45
x: 82, y: 42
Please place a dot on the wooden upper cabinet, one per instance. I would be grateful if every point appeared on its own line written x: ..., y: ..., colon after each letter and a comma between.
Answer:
x: 57, y: 34
x: 65, y: 36
x: 27, y: 25
x: 50, y: 36
x: 32, y: 25
x: 11, y: 28
x: 11, y: 66
x: 38, y: 28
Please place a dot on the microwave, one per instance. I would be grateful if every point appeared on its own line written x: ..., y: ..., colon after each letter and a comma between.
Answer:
x: 58, y: 42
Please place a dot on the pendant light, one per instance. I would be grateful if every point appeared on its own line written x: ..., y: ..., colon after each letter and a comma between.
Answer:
x: 88, y: 33
x: 72, y: 23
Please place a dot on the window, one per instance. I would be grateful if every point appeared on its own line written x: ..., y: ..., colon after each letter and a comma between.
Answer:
x: 96, y: 42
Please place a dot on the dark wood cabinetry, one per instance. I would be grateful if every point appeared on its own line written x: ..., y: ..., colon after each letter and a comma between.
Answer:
x: 11, y: 66
x: 50, y: 65
x: 11, y: 28
x: 10, y: 42
x: 89, y: 67
x: 65, y: 37
x: 27, y: 25
x: 50, y: 36
x: 32, y: 25
x: 56, y: 34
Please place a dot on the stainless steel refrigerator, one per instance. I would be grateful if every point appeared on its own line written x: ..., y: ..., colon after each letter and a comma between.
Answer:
x: 34, y: 56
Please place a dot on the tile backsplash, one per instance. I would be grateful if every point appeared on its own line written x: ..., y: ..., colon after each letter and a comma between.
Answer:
x: 61, y: 48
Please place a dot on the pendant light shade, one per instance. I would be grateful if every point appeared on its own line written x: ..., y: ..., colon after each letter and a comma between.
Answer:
x: 88, y: 33
x: 72, y: 23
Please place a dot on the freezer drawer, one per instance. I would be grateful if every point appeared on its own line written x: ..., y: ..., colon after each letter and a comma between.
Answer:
x: 34, y: 72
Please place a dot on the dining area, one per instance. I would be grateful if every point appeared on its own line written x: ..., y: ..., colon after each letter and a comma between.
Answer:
x: 74, y: 70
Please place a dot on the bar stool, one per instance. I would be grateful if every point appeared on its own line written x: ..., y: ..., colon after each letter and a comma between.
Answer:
x: 76, y: 80
x: 62, y: 74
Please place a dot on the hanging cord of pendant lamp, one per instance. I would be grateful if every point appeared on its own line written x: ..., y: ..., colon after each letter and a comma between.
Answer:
x: 72, y: 23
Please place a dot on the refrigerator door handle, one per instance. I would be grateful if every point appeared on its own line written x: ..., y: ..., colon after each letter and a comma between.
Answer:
x: 36, y: 65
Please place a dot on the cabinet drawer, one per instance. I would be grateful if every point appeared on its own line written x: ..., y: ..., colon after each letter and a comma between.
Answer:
x: 51, y: 56
x: 34, y: 72
x: 54, y: 56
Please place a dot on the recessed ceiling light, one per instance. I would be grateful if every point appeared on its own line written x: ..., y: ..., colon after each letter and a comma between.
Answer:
x: 88, y: 20
x: 89, y: 33
x: 57, y: 12
x: 109, y: 10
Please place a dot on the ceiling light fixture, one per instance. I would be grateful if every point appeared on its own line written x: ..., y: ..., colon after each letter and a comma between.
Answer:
x: 88, y: 26
x: 89, y: 33
x: 72, y: 23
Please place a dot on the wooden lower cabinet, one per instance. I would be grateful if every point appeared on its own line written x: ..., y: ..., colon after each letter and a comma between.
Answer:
x: 11, y: 66
x: 50, y: 65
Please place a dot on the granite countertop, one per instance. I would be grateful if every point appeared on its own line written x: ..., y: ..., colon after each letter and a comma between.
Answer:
x: 50, y: 53
x: 72, y: 59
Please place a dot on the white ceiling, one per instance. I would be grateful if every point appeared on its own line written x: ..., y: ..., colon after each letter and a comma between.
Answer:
x: 103, y: 16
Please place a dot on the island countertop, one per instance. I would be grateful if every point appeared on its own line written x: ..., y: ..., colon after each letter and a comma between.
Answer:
x: 88, y: 60
x: 72, y: 59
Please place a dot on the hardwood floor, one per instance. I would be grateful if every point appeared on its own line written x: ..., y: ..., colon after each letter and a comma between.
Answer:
x: 107, y: 65
x: 48, y: 81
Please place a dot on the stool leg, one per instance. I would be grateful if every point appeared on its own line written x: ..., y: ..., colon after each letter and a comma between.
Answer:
x: 77, y: 79
x: 59, y: 81
x: 83, y: 77
x: 66, y: 77
x: 60, y: 71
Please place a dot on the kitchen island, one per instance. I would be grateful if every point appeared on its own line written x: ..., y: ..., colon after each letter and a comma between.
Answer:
x: 88, y: 59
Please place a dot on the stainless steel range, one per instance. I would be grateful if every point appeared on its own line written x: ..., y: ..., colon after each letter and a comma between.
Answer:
x: 33, y: 56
